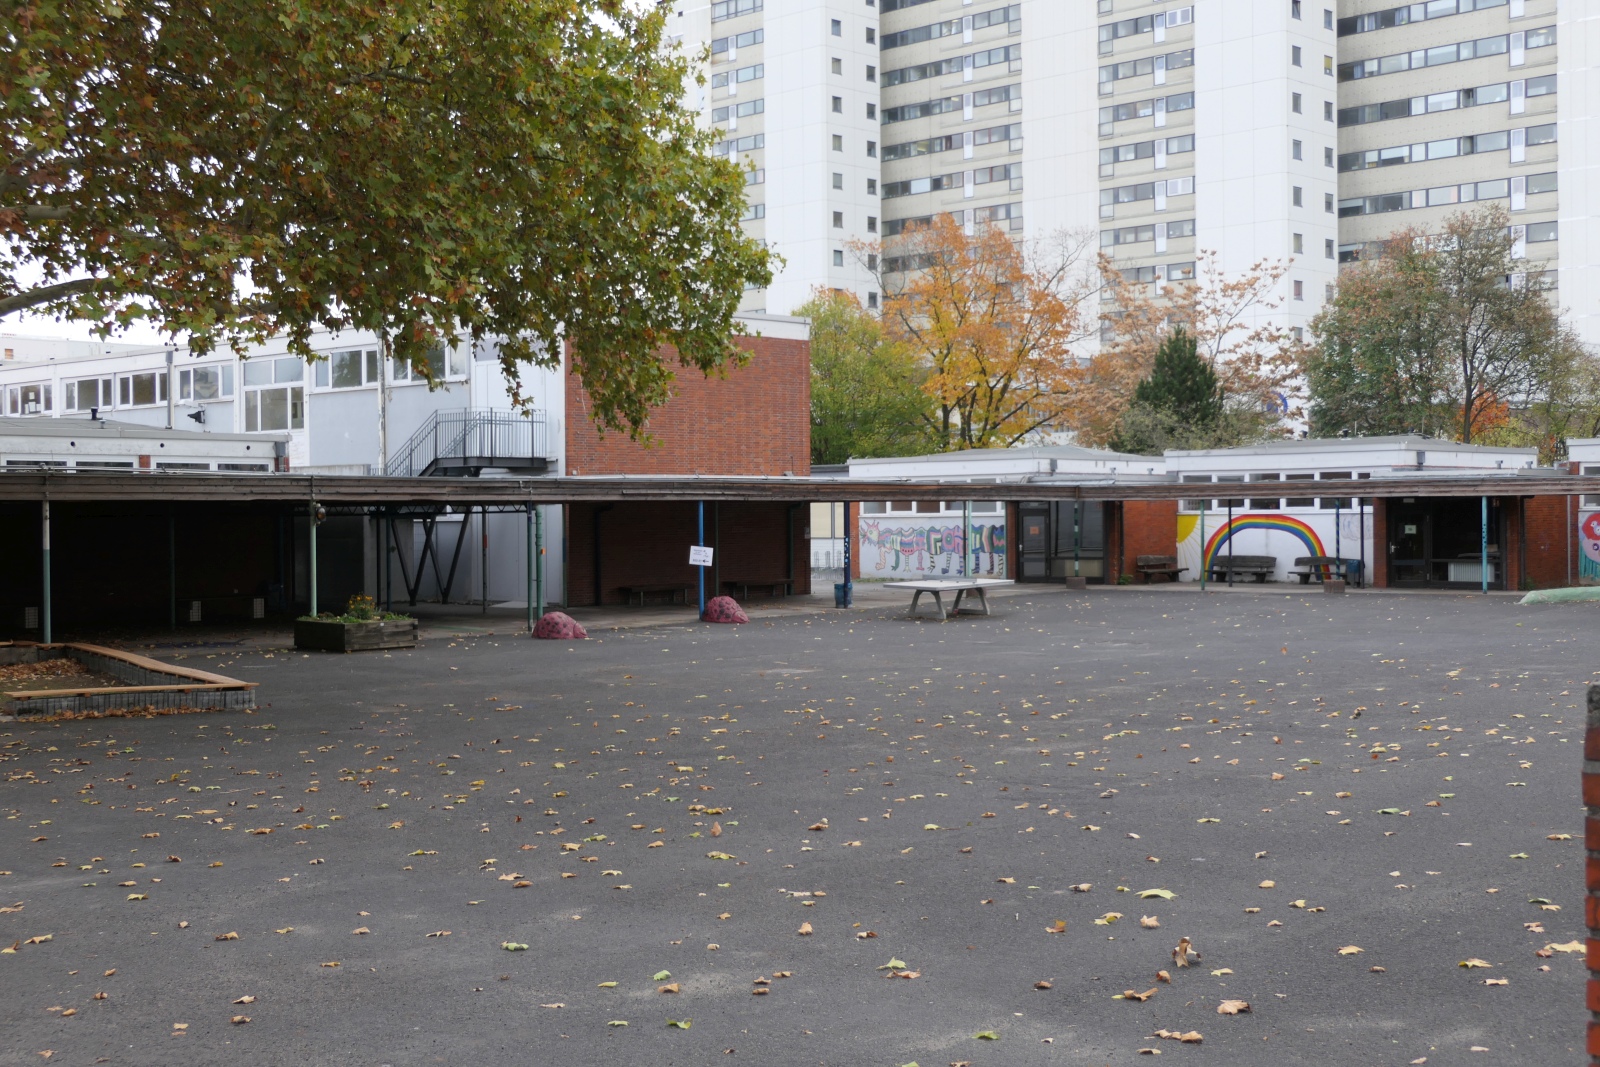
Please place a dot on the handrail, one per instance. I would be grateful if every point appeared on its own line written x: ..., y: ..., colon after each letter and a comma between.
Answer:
x: 470, y: 434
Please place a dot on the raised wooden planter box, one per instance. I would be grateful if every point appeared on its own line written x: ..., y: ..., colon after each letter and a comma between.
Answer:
x: 355, y: 636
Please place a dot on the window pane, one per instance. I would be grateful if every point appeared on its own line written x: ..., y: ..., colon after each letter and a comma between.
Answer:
x: 288, y: 370
x: 345, y: 368
x: 297, y: 408
x: 144, y: 388
x: 372, y: 365
x: 207, y: 383
x: 459, y: 358
x: 257, y: 373
x: 252, y: 421
x: 274, y: 409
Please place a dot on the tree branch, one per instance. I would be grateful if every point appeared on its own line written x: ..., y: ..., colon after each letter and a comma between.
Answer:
x: 43, y: 294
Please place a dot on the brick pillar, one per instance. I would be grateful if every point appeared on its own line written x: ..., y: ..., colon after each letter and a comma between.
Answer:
x: 1591, y: 798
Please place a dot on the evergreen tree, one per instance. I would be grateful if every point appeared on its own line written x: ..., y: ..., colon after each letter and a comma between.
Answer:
x: 1181, y: 383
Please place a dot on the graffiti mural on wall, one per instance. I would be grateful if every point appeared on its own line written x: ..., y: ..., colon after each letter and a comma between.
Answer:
x: 933, y: 549
x: 1589, y: 537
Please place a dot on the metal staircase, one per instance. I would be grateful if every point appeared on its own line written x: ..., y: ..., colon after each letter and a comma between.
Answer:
x: 465, y: 443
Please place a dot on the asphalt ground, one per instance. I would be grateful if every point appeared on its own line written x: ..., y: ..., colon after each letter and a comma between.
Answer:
x: 355, y: 855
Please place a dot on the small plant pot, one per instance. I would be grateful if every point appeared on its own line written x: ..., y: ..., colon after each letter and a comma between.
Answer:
x: 1333, y: 585
x: 1077, y: 583
x: 326, y: 635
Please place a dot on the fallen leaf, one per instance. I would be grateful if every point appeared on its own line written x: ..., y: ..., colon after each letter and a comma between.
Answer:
x: 1474, y: 962
x: 246, y: 1000
x: 670, y: 987
x: 1057, y: 927
x: 986, y: 1035
x: 1350, y: 950
x: 1149, y: 922
x: 229, y: 936
x: 617, y: 1022
x: 1496, y: 981
x: 1164, y: 894
x: 1128, y: 994
x: 1043, y: 985
x: 1570, y: 946
x: 805, y: 930
x: 1164, y: 976
x: 1233, y: 1007
x: 1268, y: 884
x: 239, y: 1020
x: 438, y: 933
x: 661, y: 976
x: 678, y: 1024
x: 513, y: 946
x: 1220, y: 971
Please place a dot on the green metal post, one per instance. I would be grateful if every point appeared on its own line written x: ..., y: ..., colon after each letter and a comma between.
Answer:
x: 1483, y: 546
x: 1202, y: 545
x: 538, y: 550
x: 313, y: 577
x: 528, y: 591
x: 45, y: 620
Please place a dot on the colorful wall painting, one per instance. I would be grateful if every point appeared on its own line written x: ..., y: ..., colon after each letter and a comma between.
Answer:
x: 1589, y: 538
x: 932, y: 549
x: 1270, y: 534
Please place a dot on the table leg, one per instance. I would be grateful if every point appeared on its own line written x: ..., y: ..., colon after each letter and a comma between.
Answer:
x: 983, y: 599
x: 955, y: 605
x: 916, y: 596
x: 938, y: 602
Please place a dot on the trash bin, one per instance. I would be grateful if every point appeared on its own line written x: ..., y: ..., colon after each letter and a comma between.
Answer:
x: 841, y: 594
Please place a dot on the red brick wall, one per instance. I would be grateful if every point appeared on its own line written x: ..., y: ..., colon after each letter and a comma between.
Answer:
x: 1380, y: 542
x: 1552, y: 541
x: 754, y: 421
x: 647, y: 543
x: 1149, y: 528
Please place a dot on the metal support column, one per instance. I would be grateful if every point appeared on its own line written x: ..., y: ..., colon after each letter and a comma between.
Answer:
x: 172, y: 571
x: 311, y: 581
x: 538, y: 550
x: 44, y: 612
x: 1230, y: 543
x: 966, y: 538
x: 483, y: 556
x: 1338, y: 528
x: 528, y: 584
x: 1483, y: 545
x: 701, y: 507
x: 1204, y: 566
x: 849, y: 539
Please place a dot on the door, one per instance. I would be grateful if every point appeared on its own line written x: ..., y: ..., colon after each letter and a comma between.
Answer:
x: 1410, y: 537
x: 1035, y: 545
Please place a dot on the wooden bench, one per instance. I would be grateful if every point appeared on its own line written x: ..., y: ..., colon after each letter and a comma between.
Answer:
x: 677, y: 592
x: 1149, y: 566
x: 775, y: 586
x: 1258, y: 567
x: 1323, y: 568
x: 959, y: 586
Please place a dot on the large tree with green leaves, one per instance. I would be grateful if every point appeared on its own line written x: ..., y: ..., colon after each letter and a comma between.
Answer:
x: 1447, y: 334
x: 232, y: 169
x: 1181, y: 404
x: 866, y: 391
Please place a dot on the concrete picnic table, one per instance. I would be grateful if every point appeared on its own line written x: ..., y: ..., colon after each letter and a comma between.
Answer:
x: 959, y: 586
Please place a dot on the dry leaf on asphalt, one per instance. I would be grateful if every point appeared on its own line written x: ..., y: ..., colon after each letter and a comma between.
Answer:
x: 805, y: 930
x: 1351, y: 950
x: 1149, y: 922
x: 1233, y: 1007
x: 1128, y: 994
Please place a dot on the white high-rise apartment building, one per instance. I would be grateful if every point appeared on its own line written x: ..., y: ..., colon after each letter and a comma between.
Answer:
x: 1293, y: 131
x: 794, y: 85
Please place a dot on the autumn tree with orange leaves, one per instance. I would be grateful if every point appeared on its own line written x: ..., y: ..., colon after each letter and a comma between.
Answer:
x: 994, y: 322
x: 1229, y: 317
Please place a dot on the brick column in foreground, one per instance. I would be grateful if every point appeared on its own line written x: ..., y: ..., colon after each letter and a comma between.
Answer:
x: 1591, y: 799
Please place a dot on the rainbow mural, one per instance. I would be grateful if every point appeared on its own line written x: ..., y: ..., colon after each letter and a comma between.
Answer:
x: 1282, y: 523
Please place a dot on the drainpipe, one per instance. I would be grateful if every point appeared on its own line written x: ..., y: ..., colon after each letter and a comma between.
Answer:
x: 171, y: 388
x: 44, y: 532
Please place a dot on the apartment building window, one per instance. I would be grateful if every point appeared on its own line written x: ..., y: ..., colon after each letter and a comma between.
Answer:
x: 872, y: 261
x: 1327, y: 65
x: 1294, y: 54
x: 1327, y: 110
x: 1327, y: 18
x: 838, y: 142
x: 349, y: 370
x: 1299, y: 290
x: 872, y: 187
x: 95, y: 393
x: 872, y: 73
x: 872, y: 300
x: 199, y: 383
x: 1297, y: 150
x: 1294, y: 9
x: 1327, y: 202
x: 838, y: 220
x: 872, y: 111
x: 838, y: 257
x: 838, y: 28
x: 872, y: 224
x: 1298, y: 196
x: 1327, y: 157
x: 274, y: 399
x: 1299, y: 244
x: 838, y: 105
x: 872, y: 35
x: 135, y: 390
x: 1294, y: 103
x: 1327, y: 248
x: 34, y: 398
x: 872, y: 149
x: 838, y: 65
x: 838, y: 180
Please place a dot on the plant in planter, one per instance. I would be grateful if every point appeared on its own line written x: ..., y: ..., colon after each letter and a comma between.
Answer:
x: 361, y: 627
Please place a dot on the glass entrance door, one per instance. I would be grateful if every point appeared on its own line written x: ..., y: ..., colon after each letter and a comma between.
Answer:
x: 1410, y: 534
x: 1035, y: 541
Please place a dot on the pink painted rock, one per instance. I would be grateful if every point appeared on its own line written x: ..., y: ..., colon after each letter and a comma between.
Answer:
x: 724, y: 609
x: 559, y: 626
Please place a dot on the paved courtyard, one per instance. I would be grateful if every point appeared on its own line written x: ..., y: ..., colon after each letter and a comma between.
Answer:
x: 840, y: 839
